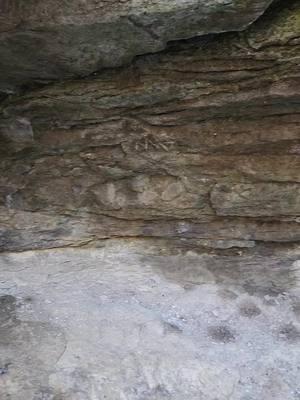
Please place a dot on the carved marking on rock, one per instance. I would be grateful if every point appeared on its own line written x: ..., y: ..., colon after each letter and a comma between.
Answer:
x: 148, y: 143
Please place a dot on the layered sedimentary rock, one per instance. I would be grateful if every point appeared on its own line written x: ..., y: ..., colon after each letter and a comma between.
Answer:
x: 58, y: 39
x: 200, y: 143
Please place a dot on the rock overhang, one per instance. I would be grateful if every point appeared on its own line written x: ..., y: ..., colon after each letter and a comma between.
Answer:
x: 55, y: 40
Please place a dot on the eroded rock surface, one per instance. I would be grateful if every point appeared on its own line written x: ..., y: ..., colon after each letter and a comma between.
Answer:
x: 128, y: 322
x: 55, y: 39
x: 188, y: 161
x: 200, y: 142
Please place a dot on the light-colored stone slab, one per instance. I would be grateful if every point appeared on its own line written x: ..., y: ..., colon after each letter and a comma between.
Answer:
x: 124, y: 323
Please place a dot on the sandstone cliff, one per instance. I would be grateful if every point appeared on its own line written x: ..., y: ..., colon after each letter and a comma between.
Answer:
x: 198, y: 142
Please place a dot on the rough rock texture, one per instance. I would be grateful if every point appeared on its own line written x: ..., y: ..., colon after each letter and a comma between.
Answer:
x: 200, y: 142
x: 127, y: 322
x: 183, y: 168
x: 57, y: 39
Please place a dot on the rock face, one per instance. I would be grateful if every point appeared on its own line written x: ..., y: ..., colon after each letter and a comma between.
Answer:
x: 200, y: 142
x: 58, y: 39
x: 177, y: 181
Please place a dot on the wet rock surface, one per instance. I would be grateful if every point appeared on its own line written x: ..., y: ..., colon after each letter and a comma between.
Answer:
x: 145, y: 321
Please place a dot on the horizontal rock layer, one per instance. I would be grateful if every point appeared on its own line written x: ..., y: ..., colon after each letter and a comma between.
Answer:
x: 58, y: 39
x: 200, y: 142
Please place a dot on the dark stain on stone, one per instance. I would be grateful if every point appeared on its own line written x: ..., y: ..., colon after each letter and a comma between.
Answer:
x: 270, y: 301
x: 171, y: 328
x: 143, y: 391
x: 9, y: 323
x: 28, y: 299
x: 188, y: 287
x: 289, y: 333
x: 221, y: 334
x: 249, y: 310
x: 11, y: 240
x: 4, y: 369
x: 160, y: 391
x: 8, y: 306
x: 227, y: 294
